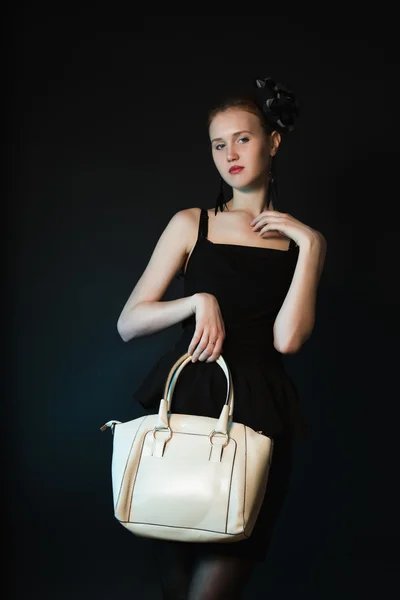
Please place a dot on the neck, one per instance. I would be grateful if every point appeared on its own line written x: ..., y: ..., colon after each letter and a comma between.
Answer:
x: 251, y: 201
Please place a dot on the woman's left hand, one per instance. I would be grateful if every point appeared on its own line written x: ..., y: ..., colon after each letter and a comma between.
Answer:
x: 273, y: 220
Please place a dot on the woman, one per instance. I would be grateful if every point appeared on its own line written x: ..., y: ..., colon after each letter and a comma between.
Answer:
x: 251, y: 275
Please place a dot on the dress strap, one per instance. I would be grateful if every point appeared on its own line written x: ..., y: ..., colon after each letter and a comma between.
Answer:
x: 203, y: 223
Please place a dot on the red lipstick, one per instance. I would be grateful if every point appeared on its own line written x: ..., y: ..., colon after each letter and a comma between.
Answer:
x: 235, y: 169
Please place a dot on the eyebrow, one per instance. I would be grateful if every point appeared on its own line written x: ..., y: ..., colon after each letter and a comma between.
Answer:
x: 233, y: 134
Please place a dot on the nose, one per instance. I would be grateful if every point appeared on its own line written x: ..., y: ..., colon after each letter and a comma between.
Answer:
x: 231, y: 154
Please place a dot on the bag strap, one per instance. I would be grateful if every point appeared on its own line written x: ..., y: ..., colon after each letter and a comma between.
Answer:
x: 165, y: 404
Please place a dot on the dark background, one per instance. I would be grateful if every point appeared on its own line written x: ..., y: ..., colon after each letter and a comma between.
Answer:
x: 107, y: 137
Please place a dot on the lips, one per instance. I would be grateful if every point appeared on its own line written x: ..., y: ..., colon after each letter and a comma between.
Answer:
x: 235, y: 169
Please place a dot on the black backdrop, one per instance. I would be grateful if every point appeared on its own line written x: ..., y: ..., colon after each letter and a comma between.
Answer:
x: 107, y: 139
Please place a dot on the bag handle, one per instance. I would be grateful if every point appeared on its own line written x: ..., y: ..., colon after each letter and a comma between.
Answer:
x: 165, y: 404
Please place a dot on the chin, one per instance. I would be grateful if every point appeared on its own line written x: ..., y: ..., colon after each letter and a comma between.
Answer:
x: 252, y: 183
x: 246, y: 186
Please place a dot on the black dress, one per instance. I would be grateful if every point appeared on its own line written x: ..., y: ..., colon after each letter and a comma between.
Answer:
x: 250, y: 284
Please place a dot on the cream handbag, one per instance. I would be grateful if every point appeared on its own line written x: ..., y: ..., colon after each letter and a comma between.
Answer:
x: 185, y: 477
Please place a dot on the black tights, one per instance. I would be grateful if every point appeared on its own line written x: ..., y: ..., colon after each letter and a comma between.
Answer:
x: 187, y: 576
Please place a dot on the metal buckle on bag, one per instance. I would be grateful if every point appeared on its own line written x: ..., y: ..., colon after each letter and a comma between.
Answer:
x: 221, y: 433
x: 162, y: 429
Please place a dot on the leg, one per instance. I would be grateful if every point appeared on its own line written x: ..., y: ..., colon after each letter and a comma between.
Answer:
x: 174, y: 564
x: 218, y: 577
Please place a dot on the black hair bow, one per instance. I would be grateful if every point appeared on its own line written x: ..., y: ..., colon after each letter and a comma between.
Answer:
x: 278, y: 104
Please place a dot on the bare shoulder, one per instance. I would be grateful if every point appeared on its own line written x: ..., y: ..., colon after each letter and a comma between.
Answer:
x: 186, y: 221
x: 183, y: 227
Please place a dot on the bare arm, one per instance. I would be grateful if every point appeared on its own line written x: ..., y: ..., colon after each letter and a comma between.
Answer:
x: 295, y: 321
x: 144, y: 313
x: 149, y: 317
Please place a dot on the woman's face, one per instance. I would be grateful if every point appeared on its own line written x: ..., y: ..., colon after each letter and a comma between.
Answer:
x: 239, y: 140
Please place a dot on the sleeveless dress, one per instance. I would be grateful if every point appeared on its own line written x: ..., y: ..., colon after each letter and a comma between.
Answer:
x: 250, y: 284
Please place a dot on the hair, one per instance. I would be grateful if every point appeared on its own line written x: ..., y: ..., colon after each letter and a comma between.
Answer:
x: 243, y: 103
x: 277, y: 109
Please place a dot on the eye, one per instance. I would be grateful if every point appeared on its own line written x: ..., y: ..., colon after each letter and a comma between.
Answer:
x: 218, y: 146
x: 246, y: 139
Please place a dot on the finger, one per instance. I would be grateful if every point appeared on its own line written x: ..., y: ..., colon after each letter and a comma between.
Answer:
x: 269, y: 227
x: 201, y: 346
x: 213, y: 336
x: 216, y: 349
x: 195, y: 340
x: 269, y: 219
x: 216, y: 353
x: 258, y: 220
x: 208, y: 351
x: 261, y: 223
x: 262, y: 215
x: 265, y: 213
x: 274, y: 218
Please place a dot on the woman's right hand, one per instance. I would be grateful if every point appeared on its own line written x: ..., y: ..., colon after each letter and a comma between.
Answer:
x: 209, y: 328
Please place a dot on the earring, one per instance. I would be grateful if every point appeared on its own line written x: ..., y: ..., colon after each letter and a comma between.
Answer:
x: 272, y: 193
x: 220, y: 203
